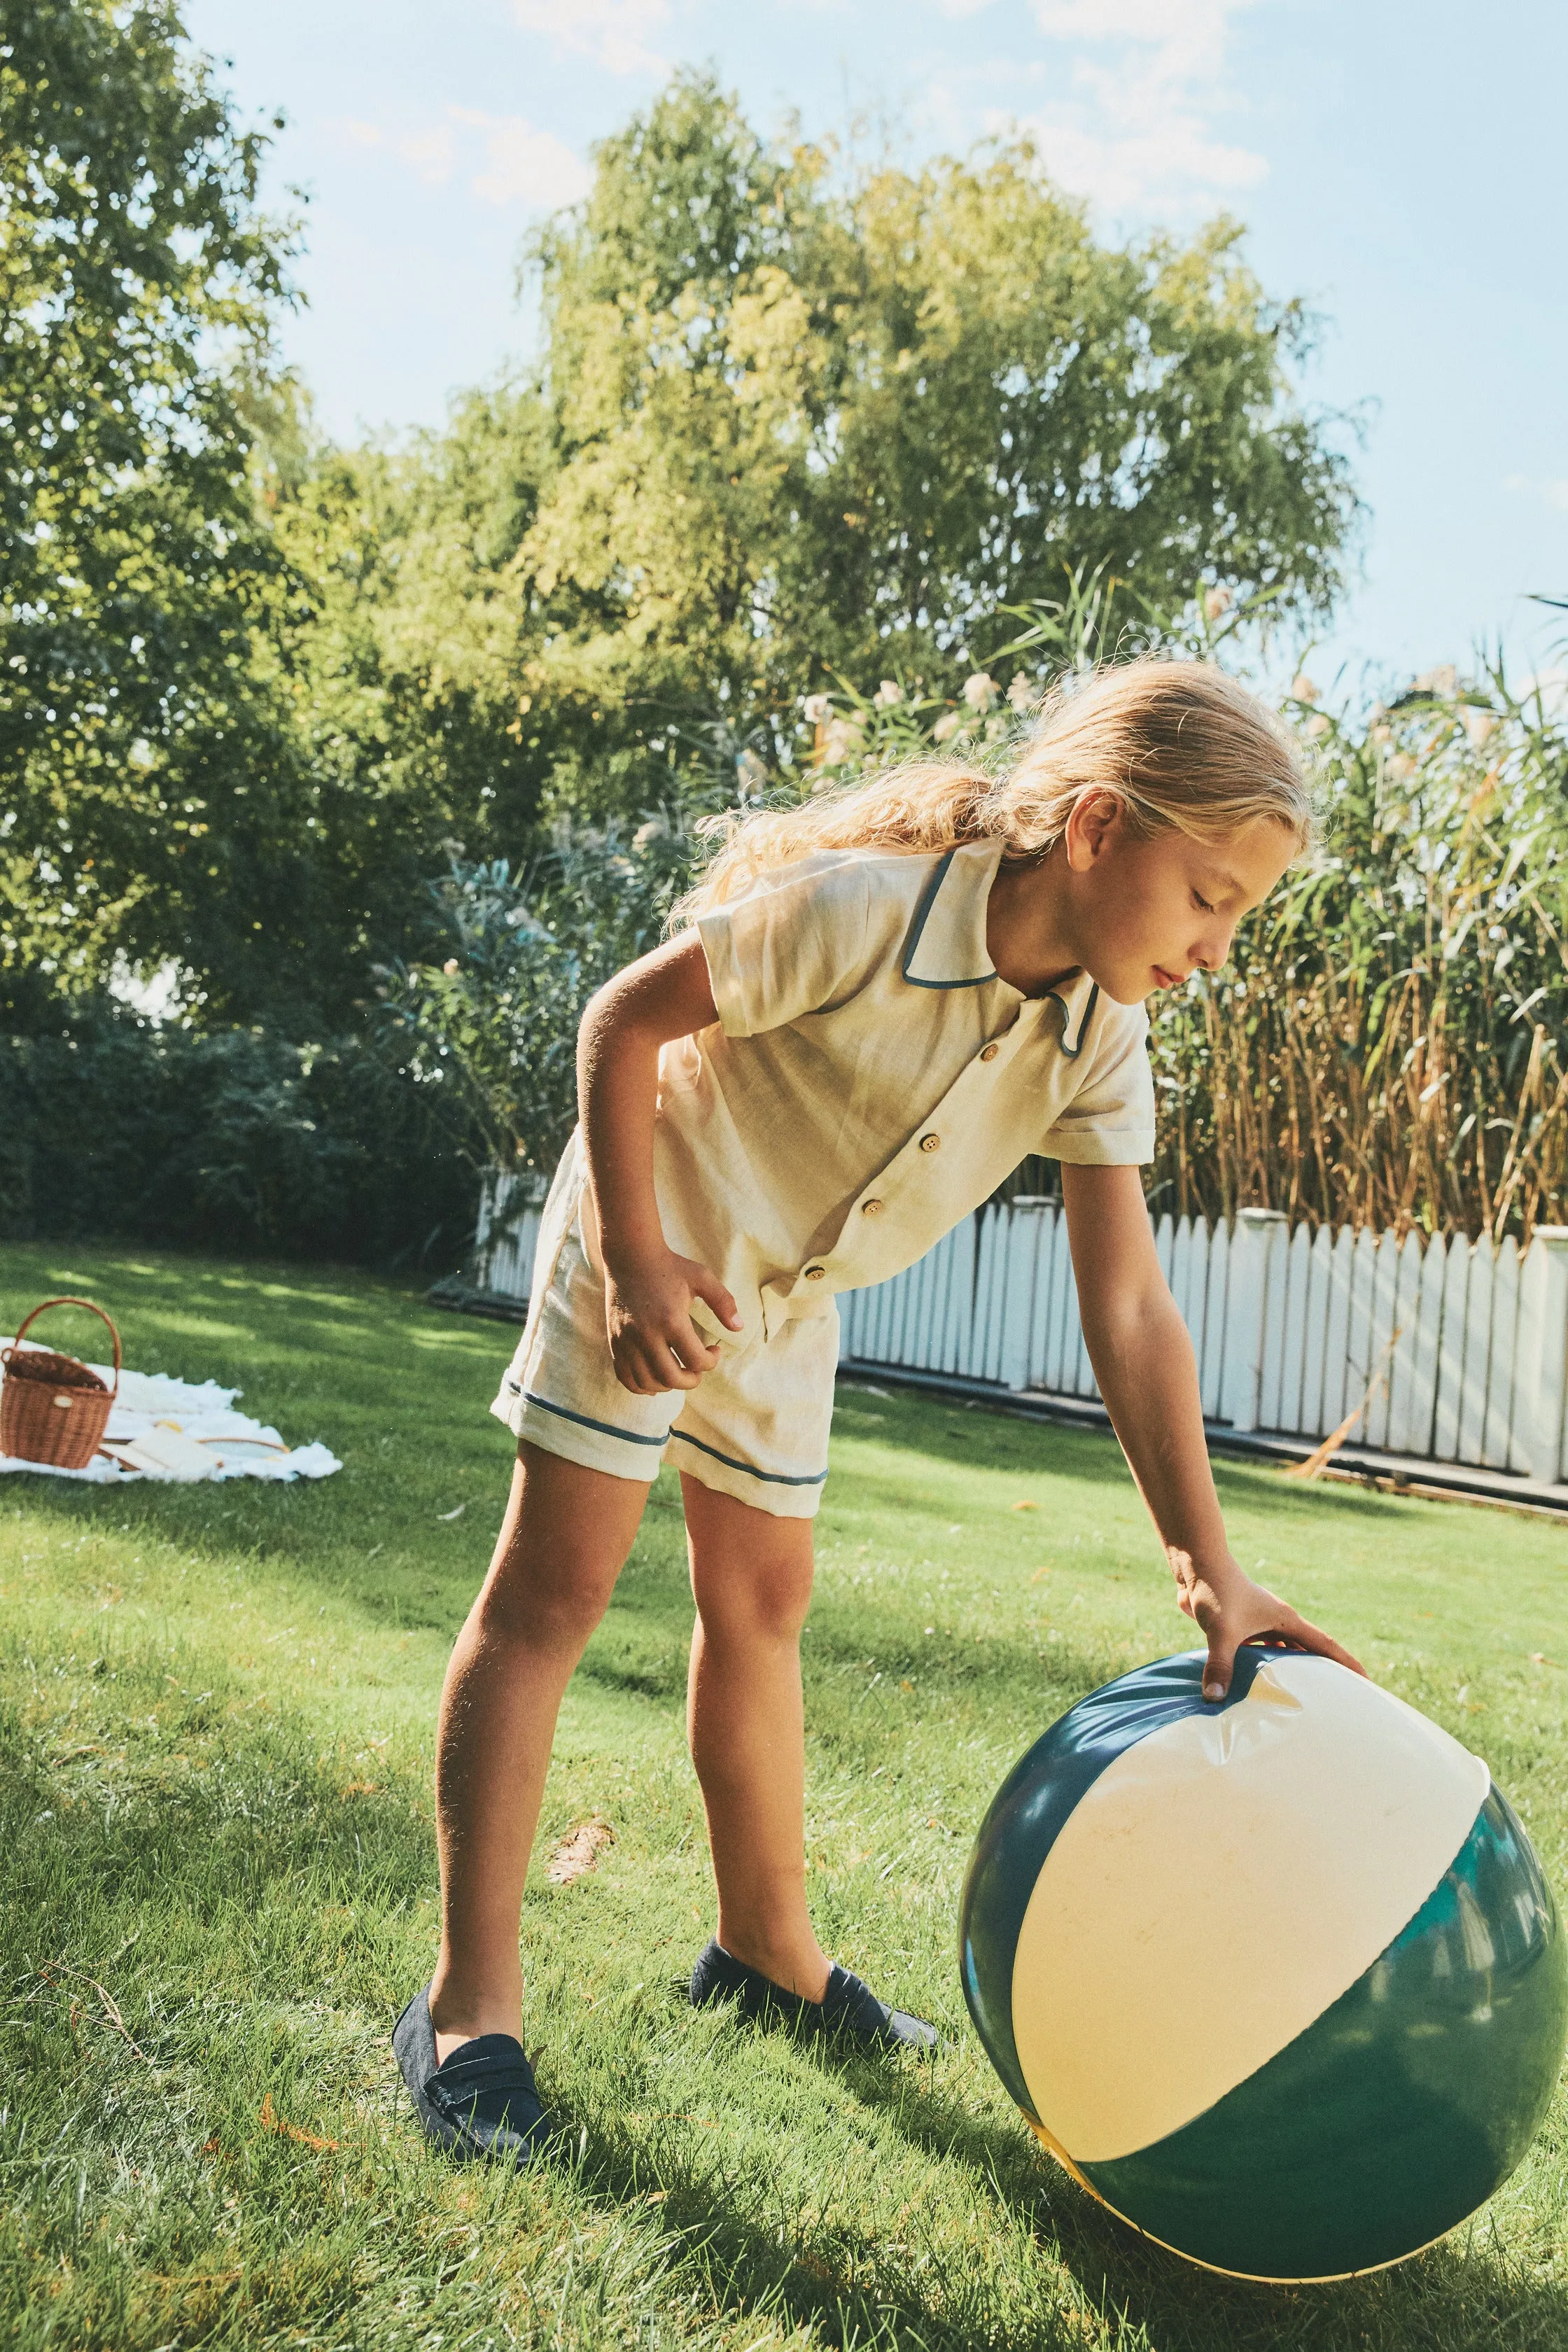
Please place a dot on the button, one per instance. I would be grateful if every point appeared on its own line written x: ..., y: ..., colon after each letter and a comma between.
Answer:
x: 816, y: 1273
x: 931, y: 1144
x: 870, y: 1208
x: 990, y: 1052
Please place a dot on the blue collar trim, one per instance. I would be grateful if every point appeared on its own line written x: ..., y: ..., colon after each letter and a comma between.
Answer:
x: 1071, y: 1047
x: 911, y: 944
x: 1074, y: 1050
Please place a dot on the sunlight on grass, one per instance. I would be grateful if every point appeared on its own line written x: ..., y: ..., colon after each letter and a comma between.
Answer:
x: 215, y: 1729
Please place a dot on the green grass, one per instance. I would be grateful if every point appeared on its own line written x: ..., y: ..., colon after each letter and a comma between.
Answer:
x: 217, y: 1866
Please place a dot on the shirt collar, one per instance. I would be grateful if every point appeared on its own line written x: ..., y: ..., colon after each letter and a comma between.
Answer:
x: 946, y: 943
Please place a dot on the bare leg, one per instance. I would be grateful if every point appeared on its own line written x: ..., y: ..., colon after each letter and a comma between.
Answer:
x: 564, y: 1539
x: 750, y: 1577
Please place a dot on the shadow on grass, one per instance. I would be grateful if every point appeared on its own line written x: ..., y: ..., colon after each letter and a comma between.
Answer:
x: 258, y: 1827
x: 849, y: 2291
x: 343, y: 1550
x: 1454, y: 2296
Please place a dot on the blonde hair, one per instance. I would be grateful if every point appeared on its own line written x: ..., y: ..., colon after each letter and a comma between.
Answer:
x: 1183, y: 745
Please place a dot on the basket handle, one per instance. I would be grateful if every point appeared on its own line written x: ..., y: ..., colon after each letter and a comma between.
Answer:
x: 91, y: 1309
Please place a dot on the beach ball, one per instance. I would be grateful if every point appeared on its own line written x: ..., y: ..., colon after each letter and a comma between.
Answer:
x: 1279, y: 1980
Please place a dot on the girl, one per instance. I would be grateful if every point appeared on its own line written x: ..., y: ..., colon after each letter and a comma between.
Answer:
x: 879, y: 1004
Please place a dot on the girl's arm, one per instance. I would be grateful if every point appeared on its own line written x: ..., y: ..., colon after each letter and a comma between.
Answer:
x: 648, y: 1290
x: 1143, y: 1361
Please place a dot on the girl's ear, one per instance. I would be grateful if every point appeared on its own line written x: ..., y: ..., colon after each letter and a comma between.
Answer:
x: 1093, y: 825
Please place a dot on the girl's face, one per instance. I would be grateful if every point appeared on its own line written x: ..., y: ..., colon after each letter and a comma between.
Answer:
x: 1149, y: 912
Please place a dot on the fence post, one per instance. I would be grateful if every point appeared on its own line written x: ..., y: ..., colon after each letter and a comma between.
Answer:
x: 1018, y: 1275
x: 1257, y: 1237
x: 1545, y: 1364
x: 492, y: 1196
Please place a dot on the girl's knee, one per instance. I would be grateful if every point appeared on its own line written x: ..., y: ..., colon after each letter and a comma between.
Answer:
x: 762, y: 1593
x: 552, y: 1597
x: 564, y: 1541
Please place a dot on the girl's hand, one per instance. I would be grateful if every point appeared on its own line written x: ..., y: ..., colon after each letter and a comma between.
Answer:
x: 1229, y: 1608
x: 647, y: 1311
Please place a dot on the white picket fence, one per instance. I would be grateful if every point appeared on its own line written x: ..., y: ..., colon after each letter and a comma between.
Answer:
x: 1464, y: 1346
x: 508, y: 1230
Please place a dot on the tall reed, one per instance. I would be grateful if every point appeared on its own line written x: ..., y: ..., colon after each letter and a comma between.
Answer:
x: 1389, y: 1044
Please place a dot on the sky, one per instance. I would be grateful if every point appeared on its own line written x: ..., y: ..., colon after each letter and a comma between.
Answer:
x: 1398, y: 166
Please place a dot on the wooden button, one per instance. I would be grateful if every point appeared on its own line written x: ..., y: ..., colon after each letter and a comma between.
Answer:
x: 870, y: 1208
x: 815, y: 1273
x: 990, y: 1052
x: 931, y: 1144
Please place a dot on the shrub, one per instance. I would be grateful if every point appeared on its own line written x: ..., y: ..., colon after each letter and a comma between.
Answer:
x: 237, y: 1140
x: 495, y: 1026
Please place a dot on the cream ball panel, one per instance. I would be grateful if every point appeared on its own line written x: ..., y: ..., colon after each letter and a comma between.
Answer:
x: 1175, y: 1940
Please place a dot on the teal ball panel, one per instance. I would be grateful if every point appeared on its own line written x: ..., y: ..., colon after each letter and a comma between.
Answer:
x: 1396, y: 2114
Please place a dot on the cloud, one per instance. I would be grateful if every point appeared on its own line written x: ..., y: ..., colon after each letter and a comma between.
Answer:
x: 1193, y: 30
x: 1550, y: 492
x: 524, y: 166
x: 428, y: 153
x: 505, y: 159
x: 617, y: 33
x: 1134, y: 127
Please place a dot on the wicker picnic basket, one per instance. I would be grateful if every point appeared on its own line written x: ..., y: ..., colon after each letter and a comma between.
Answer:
x: 53, y: 1409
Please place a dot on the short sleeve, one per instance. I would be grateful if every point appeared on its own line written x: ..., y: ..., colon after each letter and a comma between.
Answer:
x: 798, y: 943
x: 1109, y: 1122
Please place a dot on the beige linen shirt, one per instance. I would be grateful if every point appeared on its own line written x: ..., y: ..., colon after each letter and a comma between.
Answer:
x: 870, y: 1079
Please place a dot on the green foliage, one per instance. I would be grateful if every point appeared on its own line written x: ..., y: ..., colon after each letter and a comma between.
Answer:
x: 148, y: 790
x: 497, y: 1020
x: 802, y: 421
x: 110, y: 1127
x: 405, y: 719
x: 218, y: 1879
x: 1389, y: 1043
x: 789, y: 416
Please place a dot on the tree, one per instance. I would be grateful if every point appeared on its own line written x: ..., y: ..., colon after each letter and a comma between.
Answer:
x: 406, y: 719
x: 148, y: 786
x: 786, y: 423
x: 798, y: 425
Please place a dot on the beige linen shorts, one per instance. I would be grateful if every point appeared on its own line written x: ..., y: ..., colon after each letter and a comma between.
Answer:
x: 754, y: 1427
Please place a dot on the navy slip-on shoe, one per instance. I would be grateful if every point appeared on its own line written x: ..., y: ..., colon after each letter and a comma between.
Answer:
x: 847, y: 2007
x: 482, y: 2102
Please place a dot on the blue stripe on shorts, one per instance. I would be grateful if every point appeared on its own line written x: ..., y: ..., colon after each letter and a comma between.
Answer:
x: 774, y: 1477
x: 605, y: 1428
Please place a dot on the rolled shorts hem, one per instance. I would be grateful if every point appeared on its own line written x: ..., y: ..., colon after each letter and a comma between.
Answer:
x: 579, y: 1437
x: 783, y: 1495
x: 594, y: 1444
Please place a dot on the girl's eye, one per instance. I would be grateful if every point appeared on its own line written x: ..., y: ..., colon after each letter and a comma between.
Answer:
x: 1199, y: 900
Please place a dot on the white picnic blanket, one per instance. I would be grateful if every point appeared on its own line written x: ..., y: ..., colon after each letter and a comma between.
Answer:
x: 183, y: 1431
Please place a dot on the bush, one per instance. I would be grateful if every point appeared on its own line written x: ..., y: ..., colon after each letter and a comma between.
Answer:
x: 238, y: 1140
x: 496, y: 1023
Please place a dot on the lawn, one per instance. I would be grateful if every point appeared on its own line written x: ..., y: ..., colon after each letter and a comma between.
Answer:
x: 217, y: 1867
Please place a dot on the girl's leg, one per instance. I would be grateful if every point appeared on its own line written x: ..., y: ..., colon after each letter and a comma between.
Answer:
x: 751, y: 1578
x: 565, y: 1536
